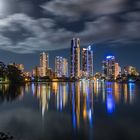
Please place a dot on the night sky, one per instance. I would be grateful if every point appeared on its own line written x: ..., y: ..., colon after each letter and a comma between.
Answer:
x: 28, y: 27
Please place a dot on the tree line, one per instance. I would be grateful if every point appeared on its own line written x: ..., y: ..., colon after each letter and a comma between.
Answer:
x: 10, y: 73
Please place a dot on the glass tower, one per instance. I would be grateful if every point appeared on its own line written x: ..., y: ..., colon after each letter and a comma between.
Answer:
x: 75, y: 58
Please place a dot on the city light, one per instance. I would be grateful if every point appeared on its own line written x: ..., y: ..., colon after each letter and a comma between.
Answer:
x: 80, y: 66
x: 70, y: 69
x: 110, y: 104
x: 110, y: 57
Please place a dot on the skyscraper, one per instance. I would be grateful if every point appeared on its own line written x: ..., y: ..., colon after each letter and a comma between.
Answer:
x: 44, y: 63
x: 61, y: 66
x: 36, y: 71
x: 58, y: 66
x: 87, y: 62
x: 108, y: 67
x: 117, y: 70
x: 75, y: 58
x: 65, y: 67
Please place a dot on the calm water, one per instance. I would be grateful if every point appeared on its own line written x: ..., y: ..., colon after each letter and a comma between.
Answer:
x: 71, y: 111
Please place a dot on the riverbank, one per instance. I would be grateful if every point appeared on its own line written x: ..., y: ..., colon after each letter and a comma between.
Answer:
x: 63, y: 80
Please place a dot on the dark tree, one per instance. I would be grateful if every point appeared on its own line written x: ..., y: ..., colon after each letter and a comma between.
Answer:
x: 2, y: 70
x: 14, y: 74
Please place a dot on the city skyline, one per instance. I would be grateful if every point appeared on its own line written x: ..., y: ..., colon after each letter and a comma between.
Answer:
x: 69, y: 69
x: 66, y: 54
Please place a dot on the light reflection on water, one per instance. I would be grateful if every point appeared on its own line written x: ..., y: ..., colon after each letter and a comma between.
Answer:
x: 79, y: 100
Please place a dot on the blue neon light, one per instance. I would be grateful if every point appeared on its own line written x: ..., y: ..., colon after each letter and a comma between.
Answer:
x: 89, y: 47
x: 110, y: 57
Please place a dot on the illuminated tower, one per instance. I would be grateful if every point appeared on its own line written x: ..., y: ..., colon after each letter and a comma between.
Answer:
x: 44, y: 63
x: 117, y: 70
x: 61, y: 66
x: 36, y: 71
x: 109, y: 67
x: 65, y: 67
x: 75, y: 58
x: 87, y: 61
x: 58, y: 66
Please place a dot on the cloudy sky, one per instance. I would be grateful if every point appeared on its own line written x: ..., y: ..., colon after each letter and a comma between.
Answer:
x: 28, y: 27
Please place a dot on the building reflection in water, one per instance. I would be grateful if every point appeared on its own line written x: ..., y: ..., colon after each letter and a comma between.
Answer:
x: 79, y: 96
x: 97, y: 88
x: 132, y: 93
x: 110, y: 102
x: 82, y: 103
x: 42, y: 92
x: 33, y: 89
x: 103, y: 91
x: 61, y: 93
x: 116, y: 93
x: 9, y: 93
x: 54, y: 92
x: 125, y: 93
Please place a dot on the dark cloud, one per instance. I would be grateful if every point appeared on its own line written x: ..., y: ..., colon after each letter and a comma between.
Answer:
x: 97, y: 21
x: 75, y: 9
x: 9, y: 7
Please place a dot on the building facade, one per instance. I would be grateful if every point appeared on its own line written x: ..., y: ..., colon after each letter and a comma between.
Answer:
x: 87, y: 62
x: 65, y: 67
x: 75, y: 58
x: 61, y: 66
x: 117, y: 70
x: 58, y: 66
x: 44, y: 63
x: 108, y: 67
x: 36, y: 72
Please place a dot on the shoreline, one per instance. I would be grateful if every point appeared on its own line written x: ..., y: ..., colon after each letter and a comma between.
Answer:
x: 71, y: 81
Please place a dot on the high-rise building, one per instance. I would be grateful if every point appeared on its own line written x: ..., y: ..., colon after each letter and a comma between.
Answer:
x: 61, y: 66
x: 87, y: 62
x: 104, y: 68
x: 108, y: 67
x: 58, y: 65
x: 44, y: 63
x: 75, y: 58
x: 50, y: 73
x: 37, y: 71
x: 117, y: 70
x: 65, y: 67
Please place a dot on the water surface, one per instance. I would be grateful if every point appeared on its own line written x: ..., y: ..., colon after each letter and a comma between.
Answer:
x: 71, y: 111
